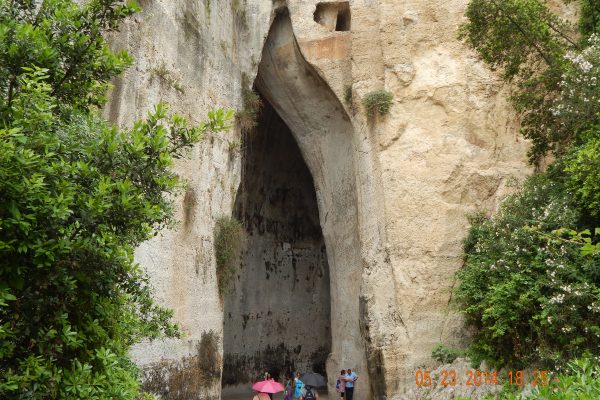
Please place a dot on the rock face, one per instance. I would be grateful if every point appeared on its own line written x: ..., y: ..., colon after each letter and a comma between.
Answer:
x: 277, y: 311
x: 355, y: 223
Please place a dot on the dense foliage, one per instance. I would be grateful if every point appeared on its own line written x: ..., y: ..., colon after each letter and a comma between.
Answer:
x: 531, y: 281
x: 589, y: 21
x: 76, y: 197
x: 66, y: 40
x: 533, y: 298
x: 580, y: 380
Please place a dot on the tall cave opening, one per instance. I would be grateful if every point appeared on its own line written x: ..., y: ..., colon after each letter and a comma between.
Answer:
x: 277, y: 314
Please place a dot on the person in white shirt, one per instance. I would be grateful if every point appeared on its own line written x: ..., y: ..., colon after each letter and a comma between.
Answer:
x: 351, y: 377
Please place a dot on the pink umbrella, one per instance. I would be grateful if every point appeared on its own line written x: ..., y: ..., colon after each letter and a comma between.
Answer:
x: 269, y: 386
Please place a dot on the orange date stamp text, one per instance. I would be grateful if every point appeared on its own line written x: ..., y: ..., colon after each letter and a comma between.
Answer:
x: 451, y: 378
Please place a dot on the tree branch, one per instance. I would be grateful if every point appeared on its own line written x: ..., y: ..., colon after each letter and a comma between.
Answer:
x: 11, y: 85
x: 563, y: 35
x: 524, y: 33
x: 78, y: 58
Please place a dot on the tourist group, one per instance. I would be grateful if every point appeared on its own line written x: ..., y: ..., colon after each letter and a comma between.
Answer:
x: 303, y: 386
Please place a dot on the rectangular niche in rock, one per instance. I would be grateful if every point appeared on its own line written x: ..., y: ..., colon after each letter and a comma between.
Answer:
x: 333, y: 15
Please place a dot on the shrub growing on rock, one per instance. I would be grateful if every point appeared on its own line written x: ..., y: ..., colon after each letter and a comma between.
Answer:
x: 247, y: 117
x: 378, y: 102
x: 229, y: 241
x: 348, y: 94
x: 444, y: 354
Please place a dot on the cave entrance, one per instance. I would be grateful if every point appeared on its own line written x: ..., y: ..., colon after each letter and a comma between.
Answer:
x: 288, y: 230
x: 277, y: 316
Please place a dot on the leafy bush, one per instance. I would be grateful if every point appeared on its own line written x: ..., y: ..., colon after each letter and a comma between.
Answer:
x: 378, y: 102
x: 444, y: 354
x: 531, y: 299
x: 77, y: 196
x: 67, y: 40
x: 575, y: 108
x: 229, y: 241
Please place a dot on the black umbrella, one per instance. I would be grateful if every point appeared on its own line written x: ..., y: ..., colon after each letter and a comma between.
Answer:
x: 313, y: 379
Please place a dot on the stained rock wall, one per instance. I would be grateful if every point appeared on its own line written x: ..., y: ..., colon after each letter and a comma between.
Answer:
x: 193, y: 55
x: 277, y: 309
x: 393, y: 192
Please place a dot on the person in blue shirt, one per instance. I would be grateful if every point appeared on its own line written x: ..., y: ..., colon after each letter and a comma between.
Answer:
x: 350, y: 378
x: 299, y: 385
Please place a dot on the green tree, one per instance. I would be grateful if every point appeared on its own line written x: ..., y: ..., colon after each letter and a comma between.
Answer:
x: 530, y: 284
x: 67, y: 40
x: 533, y: 297
x: 77, y: 195
x: 528, y: 43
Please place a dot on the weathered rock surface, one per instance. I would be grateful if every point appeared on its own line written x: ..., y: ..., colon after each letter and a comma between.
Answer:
x: 393, y: 193
x: 191, y: 54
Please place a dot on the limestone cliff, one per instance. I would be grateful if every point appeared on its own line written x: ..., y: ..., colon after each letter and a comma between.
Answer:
x: 354, y: 223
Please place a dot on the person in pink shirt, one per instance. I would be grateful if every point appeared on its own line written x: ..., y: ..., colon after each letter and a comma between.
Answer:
x: 340, y: 385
